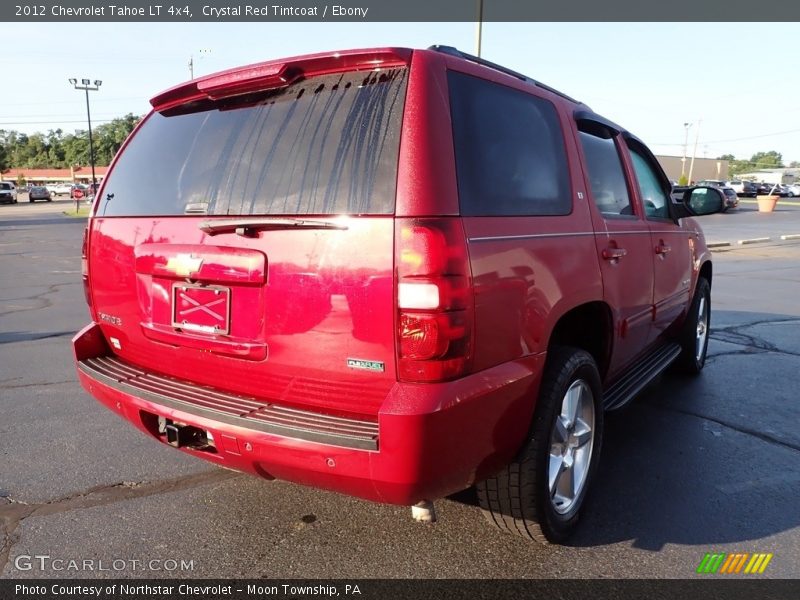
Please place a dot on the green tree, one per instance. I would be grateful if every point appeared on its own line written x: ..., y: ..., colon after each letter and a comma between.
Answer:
x: 736, y: 166
x: 55, y: 149
x: 109, y: 137
x: 767, y: 160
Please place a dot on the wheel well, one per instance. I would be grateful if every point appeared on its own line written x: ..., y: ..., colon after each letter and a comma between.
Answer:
x: 706, y: 271
x: 587, y: 327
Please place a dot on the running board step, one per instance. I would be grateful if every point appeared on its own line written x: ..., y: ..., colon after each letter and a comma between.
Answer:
x: 639, y: 375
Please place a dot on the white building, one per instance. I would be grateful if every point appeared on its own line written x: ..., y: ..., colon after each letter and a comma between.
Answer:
x: 786, y: 175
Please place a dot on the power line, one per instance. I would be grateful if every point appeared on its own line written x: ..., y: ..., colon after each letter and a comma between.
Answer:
x: 50, y: 122
x: 741, y: 139
x: 753, y: 137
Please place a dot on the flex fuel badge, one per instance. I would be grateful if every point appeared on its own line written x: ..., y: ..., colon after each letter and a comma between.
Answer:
x: 366, y: 365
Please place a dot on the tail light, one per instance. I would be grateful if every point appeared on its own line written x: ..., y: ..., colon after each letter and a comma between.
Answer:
x: 434, y: 299
x: 85, y: 266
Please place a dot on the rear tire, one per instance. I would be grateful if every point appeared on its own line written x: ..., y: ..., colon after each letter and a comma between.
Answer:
x: 694, y: 334
x: 540, y: 495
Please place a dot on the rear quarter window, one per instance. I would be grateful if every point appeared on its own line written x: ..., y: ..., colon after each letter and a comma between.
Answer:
x: 326, y: 145
x: 509, y: 146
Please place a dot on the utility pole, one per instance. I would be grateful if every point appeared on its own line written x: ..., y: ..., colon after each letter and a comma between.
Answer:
x: 202, y: 52
x: 478, y: 29
x: 694, y: 152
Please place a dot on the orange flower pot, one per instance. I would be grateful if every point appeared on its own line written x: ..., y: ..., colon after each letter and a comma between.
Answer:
x: 766, y: 203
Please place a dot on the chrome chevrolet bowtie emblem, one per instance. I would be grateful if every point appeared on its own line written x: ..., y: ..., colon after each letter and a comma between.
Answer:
x: 184, y: 264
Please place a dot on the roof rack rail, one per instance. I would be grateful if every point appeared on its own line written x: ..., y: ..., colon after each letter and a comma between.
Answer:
x: 476, y: 59
x: 481, y: 61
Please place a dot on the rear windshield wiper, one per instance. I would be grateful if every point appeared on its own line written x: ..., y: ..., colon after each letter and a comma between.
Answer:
x: 248, y: 227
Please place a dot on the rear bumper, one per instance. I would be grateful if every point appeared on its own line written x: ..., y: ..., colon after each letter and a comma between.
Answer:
x: 427, y: 440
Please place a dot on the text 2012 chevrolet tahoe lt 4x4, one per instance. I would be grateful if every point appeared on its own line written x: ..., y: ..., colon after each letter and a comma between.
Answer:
x: 391, y: 273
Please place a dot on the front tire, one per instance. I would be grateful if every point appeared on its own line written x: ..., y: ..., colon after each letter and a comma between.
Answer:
x: 540, y: 495
x: 694, y: 335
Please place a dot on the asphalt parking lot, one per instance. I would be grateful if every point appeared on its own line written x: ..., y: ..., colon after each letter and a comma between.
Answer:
x: 694, y: 466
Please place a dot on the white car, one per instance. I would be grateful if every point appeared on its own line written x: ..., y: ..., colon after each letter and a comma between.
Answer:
x: 59, y: 188
x: 8, y: 192
x: 793, y: 190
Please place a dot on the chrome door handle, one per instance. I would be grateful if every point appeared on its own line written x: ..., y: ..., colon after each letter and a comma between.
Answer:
x: 614, y: 253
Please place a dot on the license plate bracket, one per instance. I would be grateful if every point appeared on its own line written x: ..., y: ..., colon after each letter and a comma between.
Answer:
x: 201, y: 308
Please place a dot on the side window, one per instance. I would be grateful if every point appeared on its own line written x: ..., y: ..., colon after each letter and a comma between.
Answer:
x: 604, y: 166
x: 651, y: 187
x: 509, y: 146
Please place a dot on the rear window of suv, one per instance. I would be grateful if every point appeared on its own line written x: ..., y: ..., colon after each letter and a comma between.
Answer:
x: 325, y: 145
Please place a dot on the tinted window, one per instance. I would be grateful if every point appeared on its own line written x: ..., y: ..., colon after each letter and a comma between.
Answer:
x: 326, y: 145
x: 606, y: 177
x: 5, y: 186
x: 510, y: 157
x: 651, y: 186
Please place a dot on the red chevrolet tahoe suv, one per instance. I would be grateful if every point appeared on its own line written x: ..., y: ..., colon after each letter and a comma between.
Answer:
x: 391, y: 273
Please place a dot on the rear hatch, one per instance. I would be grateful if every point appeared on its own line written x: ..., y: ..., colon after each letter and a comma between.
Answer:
x: 244, y: 237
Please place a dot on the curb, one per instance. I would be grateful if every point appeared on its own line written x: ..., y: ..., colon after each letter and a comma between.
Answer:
x: 785, y: 238
x: 753, y: 241
x: 781, y: 201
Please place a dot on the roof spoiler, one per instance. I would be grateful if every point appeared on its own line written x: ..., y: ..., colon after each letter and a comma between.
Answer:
x: 278, y: 74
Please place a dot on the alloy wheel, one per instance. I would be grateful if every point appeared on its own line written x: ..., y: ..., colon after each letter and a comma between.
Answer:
x: 571, y: 444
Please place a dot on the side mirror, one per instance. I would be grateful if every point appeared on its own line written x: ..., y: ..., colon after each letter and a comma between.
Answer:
x: 701, y: 200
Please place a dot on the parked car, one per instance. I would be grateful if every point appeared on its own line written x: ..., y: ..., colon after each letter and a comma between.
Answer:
x: 8, y: 192
x: 771, y: 189
x: 780, y: 190
x: 744, y: 189
x: 793, y: 191
x: 476, y: 336
x: 57, y: 189
x: 39, y: 192
x: 731, y: 199
x: 716, y: 182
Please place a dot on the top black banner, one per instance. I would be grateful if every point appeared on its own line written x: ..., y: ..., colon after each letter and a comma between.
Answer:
x: 399, y: 10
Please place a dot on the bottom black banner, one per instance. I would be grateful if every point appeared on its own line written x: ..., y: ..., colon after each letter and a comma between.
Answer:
x: 379, y: 589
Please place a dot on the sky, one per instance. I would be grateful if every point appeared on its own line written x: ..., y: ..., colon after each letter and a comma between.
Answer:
x: 738, y: 92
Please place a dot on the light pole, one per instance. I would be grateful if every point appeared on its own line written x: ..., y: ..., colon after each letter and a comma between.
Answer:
x: 86, y: 86
x: 694, y: 152
x: 685, y: 144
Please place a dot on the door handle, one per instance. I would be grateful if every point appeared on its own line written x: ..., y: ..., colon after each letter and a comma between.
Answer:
x: 614, y: 253
x: 663, y: 248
